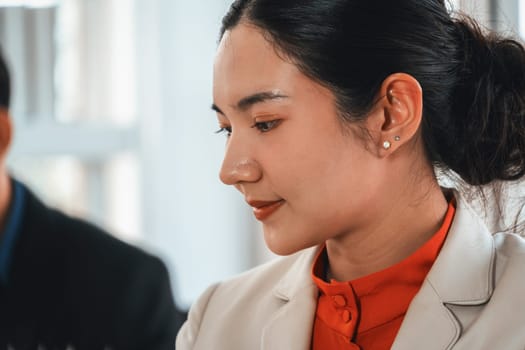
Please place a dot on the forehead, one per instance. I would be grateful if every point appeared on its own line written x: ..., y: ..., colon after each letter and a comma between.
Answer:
x: 246, y: 63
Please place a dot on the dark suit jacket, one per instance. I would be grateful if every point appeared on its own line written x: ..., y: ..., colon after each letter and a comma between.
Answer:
x: 73, y: 286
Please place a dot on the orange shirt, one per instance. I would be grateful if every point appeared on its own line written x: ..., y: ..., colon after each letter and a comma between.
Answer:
x: 366, y: 313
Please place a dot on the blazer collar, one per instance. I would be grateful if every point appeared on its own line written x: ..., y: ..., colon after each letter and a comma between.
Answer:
x: 291, y: 326
x: 461, y: 275
x: 298, y: 277
x: 463, y: 272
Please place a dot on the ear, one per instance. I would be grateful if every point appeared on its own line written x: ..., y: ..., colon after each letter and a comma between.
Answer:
x: 397, y: 115
x: 6, y: 131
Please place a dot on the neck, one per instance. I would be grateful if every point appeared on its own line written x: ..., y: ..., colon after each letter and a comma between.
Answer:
x: 405, y: 223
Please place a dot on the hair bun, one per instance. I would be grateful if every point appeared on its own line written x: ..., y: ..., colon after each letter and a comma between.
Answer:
x: 488, y: 107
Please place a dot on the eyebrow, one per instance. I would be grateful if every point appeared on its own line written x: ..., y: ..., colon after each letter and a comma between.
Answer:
x: 248, y: 101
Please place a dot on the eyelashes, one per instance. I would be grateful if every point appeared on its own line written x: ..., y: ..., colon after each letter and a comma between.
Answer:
x: 266, y: 126
x: 227, y: 130
x: 262, y: 127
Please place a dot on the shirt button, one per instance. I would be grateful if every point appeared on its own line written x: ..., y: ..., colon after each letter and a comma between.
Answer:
x: 340, y: 300
x: 347, y: 316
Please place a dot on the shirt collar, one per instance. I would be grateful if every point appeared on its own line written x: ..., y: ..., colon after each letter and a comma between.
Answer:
x: 11, y: 230
x: 370, y: 292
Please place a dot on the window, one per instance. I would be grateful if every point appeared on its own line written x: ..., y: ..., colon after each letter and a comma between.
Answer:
x: 522, y: 18
x: 74, y: 108
x: 112, y: 117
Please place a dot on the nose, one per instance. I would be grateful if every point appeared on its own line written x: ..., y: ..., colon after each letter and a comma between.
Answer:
x: 239, y: 166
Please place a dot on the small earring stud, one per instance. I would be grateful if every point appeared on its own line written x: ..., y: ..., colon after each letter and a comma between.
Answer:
x: 397, y: 138
x: 387, y: 144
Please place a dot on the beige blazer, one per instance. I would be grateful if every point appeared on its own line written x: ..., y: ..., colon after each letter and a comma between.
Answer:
x: 473, y: 298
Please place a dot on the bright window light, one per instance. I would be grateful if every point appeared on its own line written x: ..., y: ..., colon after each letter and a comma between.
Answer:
x: 521, y: 6
x: 28, y: 3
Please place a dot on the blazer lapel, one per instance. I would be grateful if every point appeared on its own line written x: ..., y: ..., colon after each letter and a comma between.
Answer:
x: 291, y: 326
x: 462, y: 275
x: 428, y: 324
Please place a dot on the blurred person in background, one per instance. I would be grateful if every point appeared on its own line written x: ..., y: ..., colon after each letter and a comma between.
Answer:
x: 66, y: 284
x: 336, y: 114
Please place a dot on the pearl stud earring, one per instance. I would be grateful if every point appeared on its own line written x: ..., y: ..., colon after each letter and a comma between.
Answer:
x: 387, y: 144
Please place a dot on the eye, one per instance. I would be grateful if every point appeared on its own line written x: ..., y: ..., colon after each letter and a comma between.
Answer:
x: 266, y: 126
x: 225, y: 130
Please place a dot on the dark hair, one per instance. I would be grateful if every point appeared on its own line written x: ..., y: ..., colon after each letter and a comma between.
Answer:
x: 5, y: 83
x: 473, y: 84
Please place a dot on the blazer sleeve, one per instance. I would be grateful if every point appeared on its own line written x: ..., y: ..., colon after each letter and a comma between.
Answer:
x: 189, y: 331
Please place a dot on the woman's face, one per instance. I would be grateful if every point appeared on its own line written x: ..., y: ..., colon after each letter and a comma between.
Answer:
x: 307, y: 178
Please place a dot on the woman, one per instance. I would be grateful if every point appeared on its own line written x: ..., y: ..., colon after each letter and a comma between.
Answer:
x: 337, y: 112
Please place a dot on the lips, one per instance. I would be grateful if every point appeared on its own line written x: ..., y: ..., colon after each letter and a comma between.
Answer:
x: 263, y: 209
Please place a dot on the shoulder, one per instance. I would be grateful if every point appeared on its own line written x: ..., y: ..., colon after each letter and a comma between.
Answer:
x: 114, y: 286
x: 65, y: 247
x: 506, y: 298
x: 55, y: 230
x: 500, y: 204
x: 500, y: 250
x: 509, y: 244
x: 510, y: 257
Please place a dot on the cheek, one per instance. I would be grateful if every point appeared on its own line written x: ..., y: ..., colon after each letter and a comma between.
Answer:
x: 311, y: 176
x: 302, y: 163
x: 334, y: 180
x: 311, y: 161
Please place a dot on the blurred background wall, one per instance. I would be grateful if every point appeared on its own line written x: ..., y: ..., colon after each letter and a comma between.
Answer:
x: 113, y: 123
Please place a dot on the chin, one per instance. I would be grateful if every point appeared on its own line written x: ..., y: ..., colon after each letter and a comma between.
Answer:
x: 283, y: 244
